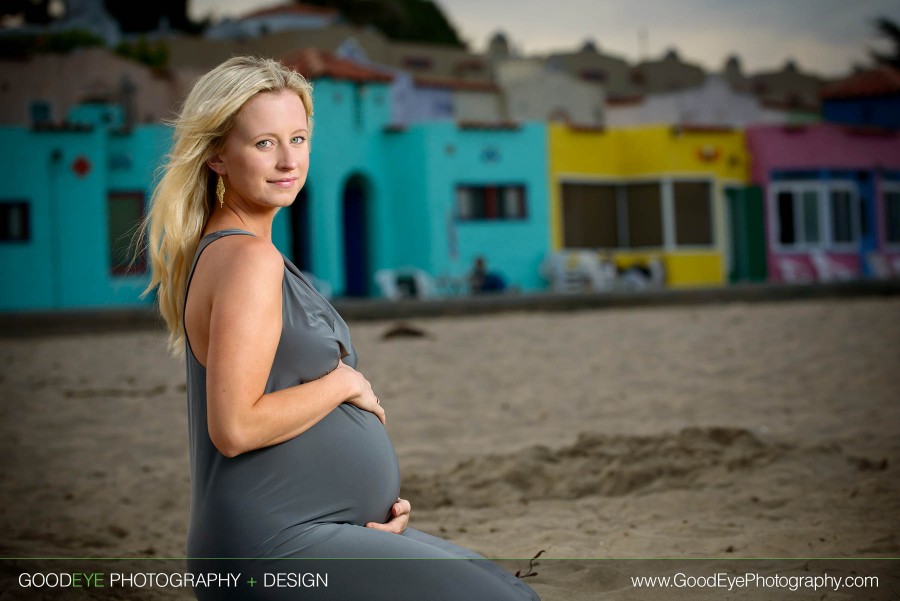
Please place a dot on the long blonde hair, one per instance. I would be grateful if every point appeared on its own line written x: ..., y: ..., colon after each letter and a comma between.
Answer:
x: 181, y: 201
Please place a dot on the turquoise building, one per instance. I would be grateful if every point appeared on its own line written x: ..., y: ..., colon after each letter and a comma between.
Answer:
x: 467, y: 191
x: 431, y: 196
x: 71, y: 197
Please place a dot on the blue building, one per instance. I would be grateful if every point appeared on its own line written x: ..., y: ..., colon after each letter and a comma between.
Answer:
x: 869, y: 98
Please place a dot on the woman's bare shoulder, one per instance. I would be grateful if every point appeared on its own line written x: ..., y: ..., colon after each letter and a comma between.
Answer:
x: 243, y: 260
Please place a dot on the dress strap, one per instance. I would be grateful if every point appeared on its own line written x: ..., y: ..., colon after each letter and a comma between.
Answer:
x: 204, y: 242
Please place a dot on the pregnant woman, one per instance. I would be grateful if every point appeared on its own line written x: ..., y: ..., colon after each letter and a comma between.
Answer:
x: 294, y: 481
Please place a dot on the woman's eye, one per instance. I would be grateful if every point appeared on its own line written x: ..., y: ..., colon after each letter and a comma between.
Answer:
x: 297, y: 140
x: 264, y: 144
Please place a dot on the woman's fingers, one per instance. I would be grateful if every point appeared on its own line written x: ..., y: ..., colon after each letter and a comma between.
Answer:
x: 395, y: 526
x: 398, y: 523
x: 365, y: 399
x: 402, y: 506
x: 380, y: 414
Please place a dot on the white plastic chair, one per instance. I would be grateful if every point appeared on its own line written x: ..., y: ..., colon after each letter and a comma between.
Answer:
x: 566, y: 271
x: 602, y: 274
x: 657, y: 272
x: 389, y: 285
x: 828, y: 270
x: 794, y: 271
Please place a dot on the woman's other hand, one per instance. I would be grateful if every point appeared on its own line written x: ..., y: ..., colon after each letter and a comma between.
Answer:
x: 363, y: 397
x: 400, y: 512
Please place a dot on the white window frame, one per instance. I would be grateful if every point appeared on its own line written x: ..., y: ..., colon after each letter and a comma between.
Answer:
x: 823, y: 191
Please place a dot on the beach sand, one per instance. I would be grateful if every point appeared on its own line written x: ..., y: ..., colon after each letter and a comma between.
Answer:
x: 742, y: 430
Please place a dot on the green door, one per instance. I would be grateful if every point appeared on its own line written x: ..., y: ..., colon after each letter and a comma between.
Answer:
x: 747, y: 234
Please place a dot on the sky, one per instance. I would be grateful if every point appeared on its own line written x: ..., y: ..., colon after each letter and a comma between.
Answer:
x: 823, y: 36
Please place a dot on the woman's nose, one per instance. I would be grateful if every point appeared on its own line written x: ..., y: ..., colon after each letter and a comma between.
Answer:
x: 287, y: 159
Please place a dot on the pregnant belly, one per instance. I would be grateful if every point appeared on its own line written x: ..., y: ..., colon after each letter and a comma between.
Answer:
x: 342, y: 470
x: 350, y: 462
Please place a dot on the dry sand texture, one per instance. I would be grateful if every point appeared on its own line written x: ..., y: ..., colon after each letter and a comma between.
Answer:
x: 763, y: 430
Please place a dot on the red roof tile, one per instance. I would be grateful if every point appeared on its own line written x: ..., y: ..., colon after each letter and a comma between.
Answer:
x: 291, y: 9
x: 314, y: 63
x: 882, y: 81
x: 452, y: 83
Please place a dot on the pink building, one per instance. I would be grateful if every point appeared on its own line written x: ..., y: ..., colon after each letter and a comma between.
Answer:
x: 831, y: 198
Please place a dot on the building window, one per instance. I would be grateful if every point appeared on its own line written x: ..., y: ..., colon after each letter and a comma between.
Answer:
x: 630, y: 215
x: 474, y: 203
x: 812, y: 215
x: 842, y: 217
x: 892, y: 216
x: 799, y: 221
x: 645, y: 221
x: 811, y: 219
x: 15, y: 223
x: 590, y: 216
x: 693, y: 213
x: 786, y: 233
x: 124, y: 211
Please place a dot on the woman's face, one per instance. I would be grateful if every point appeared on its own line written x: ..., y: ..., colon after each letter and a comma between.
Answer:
x: 266, y: 156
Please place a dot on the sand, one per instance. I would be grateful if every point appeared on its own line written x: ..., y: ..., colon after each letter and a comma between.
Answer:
x: 766, y: 430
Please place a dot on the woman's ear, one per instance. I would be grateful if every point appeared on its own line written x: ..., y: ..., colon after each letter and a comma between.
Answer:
x: 216, y: 163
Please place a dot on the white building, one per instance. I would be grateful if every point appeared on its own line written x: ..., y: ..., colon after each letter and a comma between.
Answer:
x: 535, y: 91
x: 714, y: 103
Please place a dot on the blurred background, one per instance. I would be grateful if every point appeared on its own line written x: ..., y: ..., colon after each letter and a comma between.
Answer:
x: 485, y: 153
x: 467, y: 147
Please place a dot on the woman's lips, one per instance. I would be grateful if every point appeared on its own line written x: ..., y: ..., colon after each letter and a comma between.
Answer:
x: 284, y: 183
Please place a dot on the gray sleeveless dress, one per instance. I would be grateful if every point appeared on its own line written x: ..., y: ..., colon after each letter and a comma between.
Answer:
x: 300, y: 507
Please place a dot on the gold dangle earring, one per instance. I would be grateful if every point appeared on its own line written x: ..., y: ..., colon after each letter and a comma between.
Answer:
x: 220, y: 191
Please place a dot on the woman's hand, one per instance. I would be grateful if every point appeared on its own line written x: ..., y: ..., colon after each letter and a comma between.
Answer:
x: 400, y: 512
x: 363, y: 397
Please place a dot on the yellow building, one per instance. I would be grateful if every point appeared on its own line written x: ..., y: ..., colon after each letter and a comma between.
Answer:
x: 648, y: 193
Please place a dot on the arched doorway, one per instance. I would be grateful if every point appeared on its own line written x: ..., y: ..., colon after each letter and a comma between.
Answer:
x: 301, y: 243
x: 356, y: 236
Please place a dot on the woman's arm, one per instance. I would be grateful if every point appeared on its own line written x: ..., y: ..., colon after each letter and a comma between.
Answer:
x: 244, y: 330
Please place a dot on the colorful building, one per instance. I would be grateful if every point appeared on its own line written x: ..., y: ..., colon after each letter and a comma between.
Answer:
x: 832, y: 200
x: 71, y: 197
x: 463, y: 191
x: 648, y: 194
x: 432, y: 196
x: 869, y: 98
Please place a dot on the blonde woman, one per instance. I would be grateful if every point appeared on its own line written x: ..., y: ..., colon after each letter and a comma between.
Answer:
x: 289, y: 455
